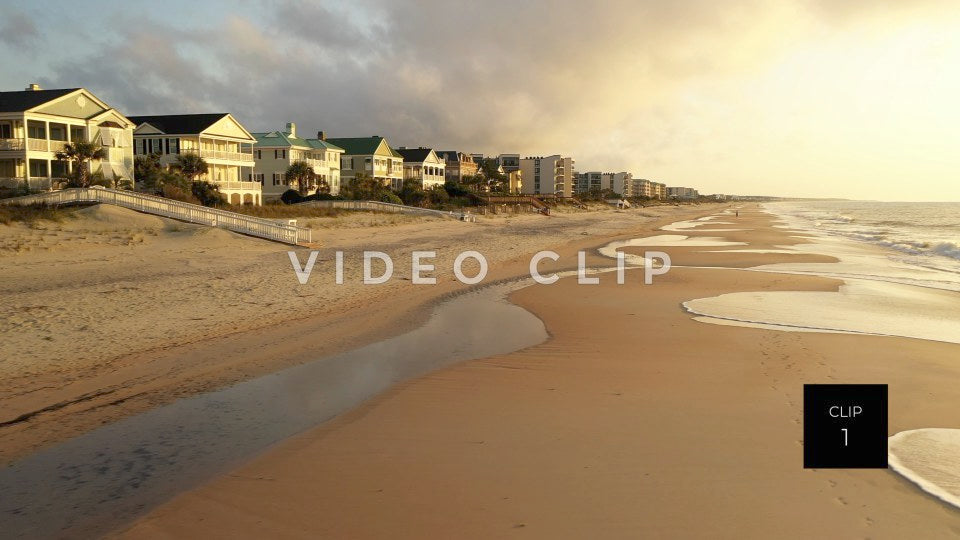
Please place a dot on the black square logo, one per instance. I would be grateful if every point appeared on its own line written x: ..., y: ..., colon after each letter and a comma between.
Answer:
x: 845, y: 426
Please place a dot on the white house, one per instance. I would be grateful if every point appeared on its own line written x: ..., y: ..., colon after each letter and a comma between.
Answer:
x: 35, y: 124
x: 218, y: 138
x: 424, y: 166
x: 277, y: 150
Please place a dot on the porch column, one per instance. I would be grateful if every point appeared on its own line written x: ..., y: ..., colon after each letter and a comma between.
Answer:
x: 46, y: 131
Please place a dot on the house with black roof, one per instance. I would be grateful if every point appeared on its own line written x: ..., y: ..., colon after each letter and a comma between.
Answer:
x: 424, y: 166
x: 218, y: 138
x: 35, y: 124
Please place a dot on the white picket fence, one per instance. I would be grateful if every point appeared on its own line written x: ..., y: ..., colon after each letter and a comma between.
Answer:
x: 191, y: 213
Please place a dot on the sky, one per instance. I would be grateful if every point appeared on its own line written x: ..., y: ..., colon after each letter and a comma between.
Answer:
x: 801, y: 98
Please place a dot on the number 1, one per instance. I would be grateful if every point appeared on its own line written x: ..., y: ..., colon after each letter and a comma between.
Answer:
x: 844, y: 430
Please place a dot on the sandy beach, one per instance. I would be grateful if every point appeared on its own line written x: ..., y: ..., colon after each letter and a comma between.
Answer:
x: 628, y: 421
x: 152, y: 310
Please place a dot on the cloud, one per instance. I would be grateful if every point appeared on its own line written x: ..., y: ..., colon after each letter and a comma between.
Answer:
x: 658, y: 88
x: 17, y: 30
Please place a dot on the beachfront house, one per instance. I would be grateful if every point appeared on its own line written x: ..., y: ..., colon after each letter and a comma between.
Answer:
x: 372, y: 156
x: 277, y: 150
x: 36, y: 123
x: 424, y: 166
x: 553, y: 175
x: 218, y: 138
x: 458, y: 165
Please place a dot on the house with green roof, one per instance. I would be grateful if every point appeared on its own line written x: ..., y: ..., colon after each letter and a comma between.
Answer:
x: 372, y: 156
x: 277, y: 150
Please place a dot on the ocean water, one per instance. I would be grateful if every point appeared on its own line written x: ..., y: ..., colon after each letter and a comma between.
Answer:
x: 925, y: 234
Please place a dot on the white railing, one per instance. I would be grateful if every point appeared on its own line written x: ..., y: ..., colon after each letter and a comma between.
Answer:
x: 37, y: 145
x: 11, y: 144
x: 225, y: 155
x: 191, y: 213
x: 243, y: 186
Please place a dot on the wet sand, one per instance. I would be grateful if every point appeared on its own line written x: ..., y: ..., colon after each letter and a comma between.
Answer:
x: 153, y: 310
x: 632, y: 420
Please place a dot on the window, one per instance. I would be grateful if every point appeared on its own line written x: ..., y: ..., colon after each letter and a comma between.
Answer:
x: 276, y: 154
x: 278, y: 179
x: 36, y: 131
x: 256, y: 154
x: 255, y: 177
x: 38, y: 167
x: 5, y: 131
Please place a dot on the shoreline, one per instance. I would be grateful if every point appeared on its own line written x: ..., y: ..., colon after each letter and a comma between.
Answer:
x: 534, y: 439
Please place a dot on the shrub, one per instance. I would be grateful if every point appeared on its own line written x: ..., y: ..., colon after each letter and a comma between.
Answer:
x: 207, y: 193
x: 390, y: 197
x: 291, y: 196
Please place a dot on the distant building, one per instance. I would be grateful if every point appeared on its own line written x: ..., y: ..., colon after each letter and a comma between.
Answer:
x: 659, y: 190
x: 277, y: 150
x: 35, y: 124
x: 458, y: 165
x: 424, y: 166
x: 509, y: 162
x: 218, y: 138
x: 371, y: 156
x: 643, y: 188
x: 552, y: 175
x: 682, y: 193
x: 620, y: 183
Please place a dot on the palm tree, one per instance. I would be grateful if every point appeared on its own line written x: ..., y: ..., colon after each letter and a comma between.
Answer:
x: 301, y: 173
x: 191, y: 165
x: 81, y: 153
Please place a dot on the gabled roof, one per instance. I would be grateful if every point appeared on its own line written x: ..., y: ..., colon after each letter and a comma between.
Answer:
x: 179, y: 124
x: 412, y: 155
x: 24, y: 100
x: 362, y: 145
x: 283, y: 139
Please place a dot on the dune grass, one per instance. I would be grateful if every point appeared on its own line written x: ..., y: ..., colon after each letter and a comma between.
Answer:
x: 33, y: 213
x: 283, y: 211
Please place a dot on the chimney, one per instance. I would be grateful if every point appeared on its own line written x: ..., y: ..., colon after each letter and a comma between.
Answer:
x: 33, y: 87
x: 292, y: 129
x: 321, y: 135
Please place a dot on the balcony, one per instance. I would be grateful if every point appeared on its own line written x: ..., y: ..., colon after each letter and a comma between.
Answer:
x: 239, y: 186
x: 11, y: 144
x: 225, y: 155
x: 38, y: 145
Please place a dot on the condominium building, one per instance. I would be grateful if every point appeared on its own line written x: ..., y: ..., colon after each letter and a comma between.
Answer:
x: 218, y: 138
x: 277, y: 150
x: 620, y: 183
x: 682, y: 193
x: 643, y: 188
x: 424, y: 166
x: 458, y: 165
x: 659, y: 190
x: 35, y: 124
x: 552, y: 175
x: 372, y: 156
